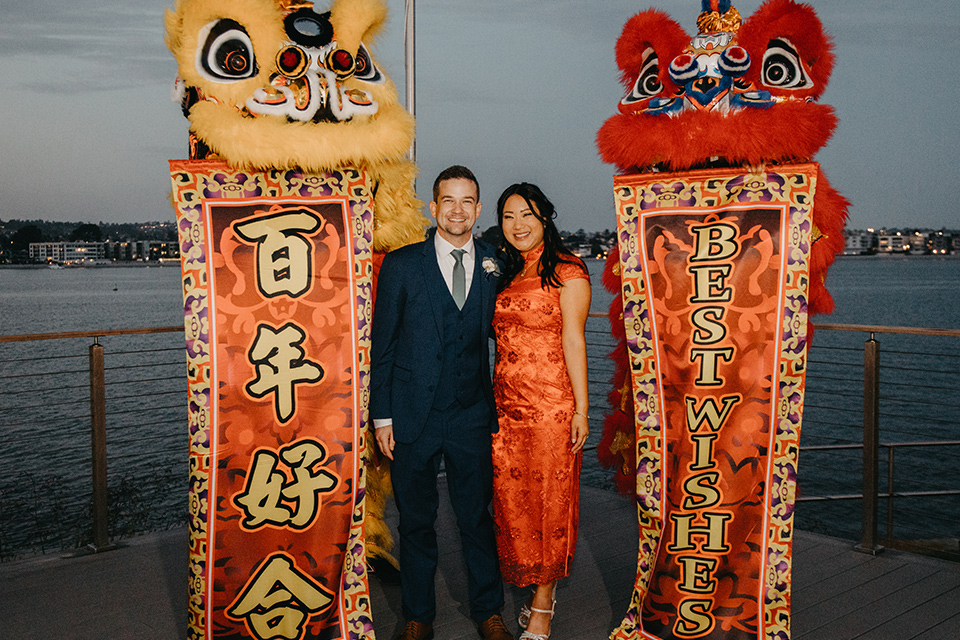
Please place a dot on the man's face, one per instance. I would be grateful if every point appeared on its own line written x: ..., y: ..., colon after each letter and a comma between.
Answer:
x: 456, y: 210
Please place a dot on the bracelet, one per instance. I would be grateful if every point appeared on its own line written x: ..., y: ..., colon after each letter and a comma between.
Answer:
x: 577, y: 413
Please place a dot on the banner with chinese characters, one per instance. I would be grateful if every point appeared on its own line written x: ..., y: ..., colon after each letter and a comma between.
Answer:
x: 714, y: 270
x: 277, y: 270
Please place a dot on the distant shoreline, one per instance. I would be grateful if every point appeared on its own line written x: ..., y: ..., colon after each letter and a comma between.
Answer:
x: 176, y: 263
x: 895, y: 256
x: 107, y: 265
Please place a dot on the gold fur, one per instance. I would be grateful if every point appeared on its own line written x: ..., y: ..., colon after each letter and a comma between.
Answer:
x: 376, y: 143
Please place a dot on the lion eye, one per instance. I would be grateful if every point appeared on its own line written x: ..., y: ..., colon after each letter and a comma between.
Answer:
x: 366, y: 70
x: 648, y: 82
x: 227, y: 53
x: 782, y: 67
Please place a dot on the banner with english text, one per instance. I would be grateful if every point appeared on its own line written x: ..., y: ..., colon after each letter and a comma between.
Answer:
x: 277, y: 270
x: 714, y: 272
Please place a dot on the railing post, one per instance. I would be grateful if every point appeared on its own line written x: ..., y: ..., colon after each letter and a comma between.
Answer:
x: 871, y: 446
x: 98, y: 442
x: 891, y: 451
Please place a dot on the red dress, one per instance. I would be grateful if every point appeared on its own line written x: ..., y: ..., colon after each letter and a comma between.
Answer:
x: 536, y: 478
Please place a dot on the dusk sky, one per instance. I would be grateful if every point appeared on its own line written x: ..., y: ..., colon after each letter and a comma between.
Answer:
x: 514, y: 89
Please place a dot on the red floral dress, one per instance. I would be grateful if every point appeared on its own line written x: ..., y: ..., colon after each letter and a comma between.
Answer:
x: 536, y: 478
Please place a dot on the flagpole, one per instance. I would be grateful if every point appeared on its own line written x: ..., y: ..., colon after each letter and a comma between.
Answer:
x: 409, y: 42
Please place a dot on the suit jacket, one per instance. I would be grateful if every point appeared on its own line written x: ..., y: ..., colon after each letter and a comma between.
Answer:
x: 407, y: 335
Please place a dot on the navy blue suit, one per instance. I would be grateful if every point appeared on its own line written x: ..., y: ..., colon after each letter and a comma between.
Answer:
x: 430, y: 374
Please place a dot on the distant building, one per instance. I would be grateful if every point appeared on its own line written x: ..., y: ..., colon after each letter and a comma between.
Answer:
x: 119, y: 251
x: 892, y: 243
x: 582, y: 250
x: 938, y: 243
x: 66, y: 252
x: 156, y: 250
x: 859, y: 242
x: 142, y: 250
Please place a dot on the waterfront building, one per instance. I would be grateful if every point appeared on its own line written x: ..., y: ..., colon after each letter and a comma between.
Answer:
x: 142, y: 250
x: 66, y: 252
x: 894, y: 242
x: 859, y: 242
x: 156, y: 250
x: 937, y: 243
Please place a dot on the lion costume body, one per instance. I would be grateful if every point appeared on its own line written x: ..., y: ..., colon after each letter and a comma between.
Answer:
x: 275, y: 86
x: 726, y: 231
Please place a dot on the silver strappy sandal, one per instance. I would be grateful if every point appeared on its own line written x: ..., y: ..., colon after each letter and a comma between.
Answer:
x: 527, y: 635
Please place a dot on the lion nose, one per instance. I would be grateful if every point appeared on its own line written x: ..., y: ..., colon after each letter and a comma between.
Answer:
x: 705, y: 85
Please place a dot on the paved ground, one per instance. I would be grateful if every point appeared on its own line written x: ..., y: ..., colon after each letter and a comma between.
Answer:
x: 138, y: 591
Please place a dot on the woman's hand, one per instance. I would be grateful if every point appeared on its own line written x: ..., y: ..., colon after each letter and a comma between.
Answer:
x: 579, y: 430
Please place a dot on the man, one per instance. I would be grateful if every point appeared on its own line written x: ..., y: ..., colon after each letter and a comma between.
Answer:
x: 431, y: 397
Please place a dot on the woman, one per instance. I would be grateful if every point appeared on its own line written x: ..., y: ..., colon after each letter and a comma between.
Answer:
x: 540, y: 385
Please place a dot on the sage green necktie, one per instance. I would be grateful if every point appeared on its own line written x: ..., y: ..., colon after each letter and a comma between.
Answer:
x: 459, y: 278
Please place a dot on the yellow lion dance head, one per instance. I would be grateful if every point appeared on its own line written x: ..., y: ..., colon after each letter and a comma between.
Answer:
x: 278, y: 84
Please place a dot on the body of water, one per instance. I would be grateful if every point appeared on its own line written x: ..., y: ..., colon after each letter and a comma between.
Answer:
x: 44, y: 416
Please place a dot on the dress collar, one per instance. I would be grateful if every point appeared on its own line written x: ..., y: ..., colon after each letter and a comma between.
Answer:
x: 533, y: 256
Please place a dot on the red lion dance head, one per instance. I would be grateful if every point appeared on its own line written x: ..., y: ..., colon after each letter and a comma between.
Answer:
x: 737, y: 94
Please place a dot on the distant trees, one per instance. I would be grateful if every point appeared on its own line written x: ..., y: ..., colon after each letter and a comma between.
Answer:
x: 16, y: 235
x: 22, y: 238
x: 86, y: 233
x: 16, y: 246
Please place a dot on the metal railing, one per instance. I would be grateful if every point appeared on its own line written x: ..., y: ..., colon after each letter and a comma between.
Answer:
x: 42, y: 420
x: 41, y: 424
x: 849, y: 397
x: 922, y: 378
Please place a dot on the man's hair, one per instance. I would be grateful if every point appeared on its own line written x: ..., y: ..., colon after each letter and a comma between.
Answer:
x: 450, y: 173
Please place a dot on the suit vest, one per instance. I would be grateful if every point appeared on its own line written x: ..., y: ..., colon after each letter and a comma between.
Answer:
x: 461, y: 377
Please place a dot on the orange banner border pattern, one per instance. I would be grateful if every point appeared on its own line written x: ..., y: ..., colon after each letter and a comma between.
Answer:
x: 793, y: 186
x: 192, y: 179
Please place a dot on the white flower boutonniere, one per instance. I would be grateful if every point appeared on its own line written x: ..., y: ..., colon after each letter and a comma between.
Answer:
x: 491, y: 267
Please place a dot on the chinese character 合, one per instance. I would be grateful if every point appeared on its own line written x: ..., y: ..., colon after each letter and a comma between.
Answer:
x: 278, y: 600
x: 266, y: 489
x: 284, y: 255
x: 280, y: 365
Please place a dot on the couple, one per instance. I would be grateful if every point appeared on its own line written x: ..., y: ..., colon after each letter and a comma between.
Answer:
x: 431, y: 396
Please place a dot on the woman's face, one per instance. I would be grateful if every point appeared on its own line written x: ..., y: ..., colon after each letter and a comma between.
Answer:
x: 520, y: 225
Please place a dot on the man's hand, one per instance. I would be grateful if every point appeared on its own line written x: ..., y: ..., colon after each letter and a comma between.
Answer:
x: 385, y: 440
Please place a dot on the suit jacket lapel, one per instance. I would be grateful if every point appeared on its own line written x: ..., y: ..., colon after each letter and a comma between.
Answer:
x: 434, y: 285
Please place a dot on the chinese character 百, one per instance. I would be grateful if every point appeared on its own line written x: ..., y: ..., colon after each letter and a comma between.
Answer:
x: 284, y: 255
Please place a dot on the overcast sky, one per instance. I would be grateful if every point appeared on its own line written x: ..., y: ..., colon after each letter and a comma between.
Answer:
x: 514, y: 89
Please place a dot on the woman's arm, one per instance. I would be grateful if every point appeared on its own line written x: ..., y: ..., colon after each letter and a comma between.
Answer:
x: 574, y: 307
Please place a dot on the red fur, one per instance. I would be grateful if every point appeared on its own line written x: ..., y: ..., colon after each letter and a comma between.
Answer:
x: 787, y: 132
x: 829, y: 216
x: 799, y: 24
x: 620, y: 420
x: 655, y: 29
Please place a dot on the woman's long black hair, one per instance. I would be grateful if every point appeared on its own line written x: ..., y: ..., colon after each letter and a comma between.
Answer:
x: 554, y: 251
